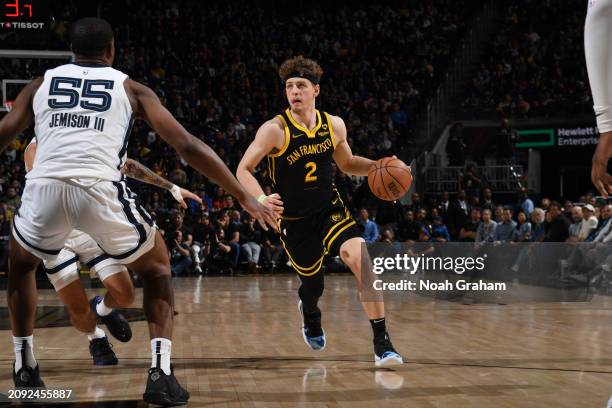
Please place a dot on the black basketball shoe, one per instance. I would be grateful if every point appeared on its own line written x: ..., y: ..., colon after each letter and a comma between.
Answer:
x: 312, y: 332
x: 27, y: 377
x: 164, y: 389
x: 384, y: 353
x: 115, y: 322
x: 102, y: 352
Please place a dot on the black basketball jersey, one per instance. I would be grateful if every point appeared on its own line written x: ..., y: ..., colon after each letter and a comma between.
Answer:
x: 301, y: 172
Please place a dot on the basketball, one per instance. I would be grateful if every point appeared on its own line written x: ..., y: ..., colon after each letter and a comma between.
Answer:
x: 389, y: 178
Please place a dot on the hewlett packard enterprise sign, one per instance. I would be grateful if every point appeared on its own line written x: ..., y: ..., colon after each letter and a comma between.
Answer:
x: 558, y: 137
x: 580, y: 136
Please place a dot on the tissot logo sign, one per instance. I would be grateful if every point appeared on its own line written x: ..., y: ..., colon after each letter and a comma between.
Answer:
x: 568, y: 136
x: 24, y: 14
x: 22, y: 26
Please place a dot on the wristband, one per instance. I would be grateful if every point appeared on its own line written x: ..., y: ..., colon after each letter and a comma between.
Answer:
x: 262, y: 198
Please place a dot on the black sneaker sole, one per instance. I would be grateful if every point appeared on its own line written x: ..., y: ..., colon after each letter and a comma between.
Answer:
x: 161, y: 398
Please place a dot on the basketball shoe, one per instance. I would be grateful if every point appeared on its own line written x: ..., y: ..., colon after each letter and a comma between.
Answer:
x: 312, y: 332
x: 27, y: 377
x: 116, y: 323
x: 102, y: 352
x: 163, y: 389
x: 384, y: 353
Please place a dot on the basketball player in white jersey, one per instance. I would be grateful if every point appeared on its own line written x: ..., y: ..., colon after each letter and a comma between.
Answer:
x: 81, y: 249
x: 82, y: 113
x: 598, y: 52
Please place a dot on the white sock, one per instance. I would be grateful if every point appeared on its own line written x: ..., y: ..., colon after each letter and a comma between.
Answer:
x: 24, y: 351
x: 96, y: 334
x: 160, y: 351
x: 102, y: 309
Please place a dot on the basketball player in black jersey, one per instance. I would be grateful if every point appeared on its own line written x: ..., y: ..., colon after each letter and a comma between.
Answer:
x: 300, y: 144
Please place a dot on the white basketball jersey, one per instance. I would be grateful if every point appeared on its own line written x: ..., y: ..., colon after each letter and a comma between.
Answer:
x: 82, y: 119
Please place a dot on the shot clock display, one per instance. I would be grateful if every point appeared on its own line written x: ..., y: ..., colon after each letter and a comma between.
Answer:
x: 23, y: 11
x: 24, y: 15
x: 16, y: 9
x: 23, y: 23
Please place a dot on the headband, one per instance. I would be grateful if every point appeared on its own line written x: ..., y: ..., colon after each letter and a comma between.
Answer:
x: 302, y: 74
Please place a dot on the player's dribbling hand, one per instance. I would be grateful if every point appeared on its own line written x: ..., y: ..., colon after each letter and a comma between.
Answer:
x: 601, y: 179
x: 188, y: 194
x: 180, y: 194
x: 261, y: 213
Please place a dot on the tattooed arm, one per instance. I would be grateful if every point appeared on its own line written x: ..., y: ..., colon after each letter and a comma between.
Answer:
x: 140, y: 172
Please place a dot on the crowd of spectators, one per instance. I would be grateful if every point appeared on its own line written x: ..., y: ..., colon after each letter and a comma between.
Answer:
x: 217, y: 238
x: 482, y: 219
x: 215, y: 69
x: 534, y: 65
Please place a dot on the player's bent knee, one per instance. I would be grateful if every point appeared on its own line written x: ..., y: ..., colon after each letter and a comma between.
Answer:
x: 154, y: 269
x: 123, y: 296
x: 350, y: 252
x: 117, y: 281
x: 151, y: 268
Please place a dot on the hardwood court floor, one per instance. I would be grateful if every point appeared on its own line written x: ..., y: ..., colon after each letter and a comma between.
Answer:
x: 237, y: 343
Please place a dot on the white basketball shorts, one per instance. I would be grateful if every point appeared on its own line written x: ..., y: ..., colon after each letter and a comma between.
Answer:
x: 80, y: 249
x: 105, y: 210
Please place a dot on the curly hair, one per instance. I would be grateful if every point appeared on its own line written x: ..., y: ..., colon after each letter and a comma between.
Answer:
x: 300, y: 67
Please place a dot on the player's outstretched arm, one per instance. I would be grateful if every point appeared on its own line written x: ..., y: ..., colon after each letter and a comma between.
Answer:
x: 131, y: 169
x: 599, y: 172
x: 343, y: 156
x: 197, y: 153
x: 140, y: 172
x: 21, y: 116
x: 269, y: 136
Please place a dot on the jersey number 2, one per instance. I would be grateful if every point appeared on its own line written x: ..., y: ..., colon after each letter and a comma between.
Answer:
x: 312, y: 167
x: 95, y: 100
